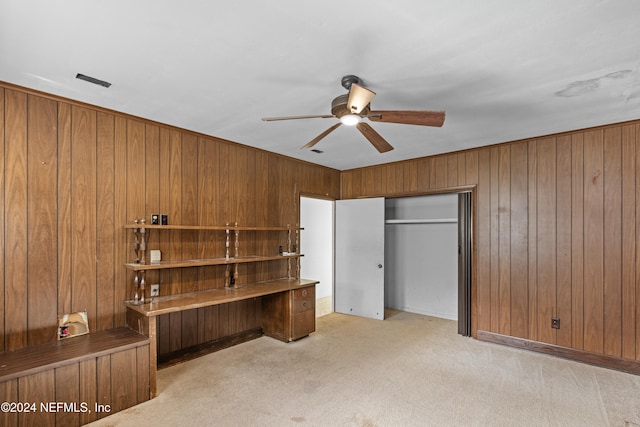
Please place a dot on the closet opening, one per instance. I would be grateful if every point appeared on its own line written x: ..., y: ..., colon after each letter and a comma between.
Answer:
x: 428, y: 256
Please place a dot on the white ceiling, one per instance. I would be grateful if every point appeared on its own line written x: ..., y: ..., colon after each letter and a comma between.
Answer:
x: 502, y: 70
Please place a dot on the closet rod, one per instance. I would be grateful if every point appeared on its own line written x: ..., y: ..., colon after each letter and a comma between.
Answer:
x: 422, y: 221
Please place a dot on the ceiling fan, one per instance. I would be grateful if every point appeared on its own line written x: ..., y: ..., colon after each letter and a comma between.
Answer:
x: 354, y: 106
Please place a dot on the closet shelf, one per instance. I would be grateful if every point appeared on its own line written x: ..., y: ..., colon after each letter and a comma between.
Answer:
x: 422, y: 221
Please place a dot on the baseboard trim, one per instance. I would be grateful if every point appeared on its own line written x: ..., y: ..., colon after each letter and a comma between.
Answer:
x: 601, y: 360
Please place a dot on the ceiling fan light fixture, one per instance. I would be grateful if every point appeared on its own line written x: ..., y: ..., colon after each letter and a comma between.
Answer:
x: 350, y: 119
x: 351, y: 108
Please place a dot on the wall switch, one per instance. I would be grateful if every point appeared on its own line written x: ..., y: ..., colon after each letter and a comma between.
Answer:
x: 165, y: 219
x: 155, y: 290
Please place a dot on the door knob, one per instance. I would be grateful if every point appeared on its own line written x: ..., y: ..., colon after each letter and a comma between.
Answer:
x: 379, y: 265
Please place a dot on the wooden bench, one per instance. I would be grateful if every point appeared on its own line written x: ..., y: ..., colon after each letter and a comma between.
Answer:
x: 74, y: 381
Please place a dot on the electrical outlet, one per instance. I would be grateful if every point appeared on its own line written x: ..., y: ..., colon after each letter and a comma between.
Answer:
x: 155, y: 219
x: 155, y: 290
x: 555, y: 323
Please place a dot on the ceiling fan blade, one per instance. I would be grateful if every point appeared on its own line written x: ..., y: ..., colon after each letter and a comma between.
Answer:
x: 359, y: 98
x: 315, y: 140
x: 273, y: 119
x: 421, y: 118
x: 374, y: 138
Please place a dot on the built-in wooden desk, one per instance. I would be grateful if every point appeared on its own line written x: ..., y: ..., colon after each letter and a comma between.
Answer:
x: 288, y: 310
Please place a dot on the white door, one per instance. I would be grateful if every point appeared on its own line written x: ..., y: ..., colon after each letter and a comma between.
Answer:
x: 360, y: 257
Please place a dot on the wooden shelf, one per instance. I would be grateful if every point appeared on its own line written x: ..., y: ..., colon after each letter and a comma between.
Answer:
x: 204, y: 262
x: 198, y: 299
x: 143, y: 317
x: 209, y: 227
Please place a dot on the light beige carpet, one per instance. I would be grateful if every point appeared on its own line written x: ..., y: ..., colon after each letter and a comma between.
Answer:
x: 408, y: 370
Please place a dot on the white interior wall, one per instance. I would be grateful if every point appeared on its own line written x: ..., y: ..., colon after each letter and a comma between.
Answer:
x: 421, y: 260
x: 316, y: 244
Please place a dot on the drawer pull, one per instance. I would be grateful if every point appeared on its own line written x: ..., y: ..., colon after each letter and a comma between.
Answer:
x: 304, y: 292
x: 304, y: 304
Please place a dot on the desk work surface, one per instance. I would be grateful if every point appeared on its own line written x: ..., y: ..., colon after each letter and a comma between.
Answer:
x: 198, y: 299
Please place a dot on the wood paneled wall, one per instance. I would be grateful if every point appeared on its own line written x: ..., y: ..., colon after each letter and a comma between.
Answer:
x: 556, y: 219
x: 556, y: 232
x: 72, y: 175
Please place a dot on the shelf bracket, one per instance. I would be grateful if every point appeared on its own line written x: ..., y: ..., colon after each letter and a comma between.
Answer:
x: 141, y: 238
x: 226, y: 256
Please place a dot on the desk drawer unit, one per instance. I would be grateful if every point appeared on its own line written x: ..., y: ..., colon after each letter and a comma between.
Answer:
x: 291, y: 315
x: 304, y: 312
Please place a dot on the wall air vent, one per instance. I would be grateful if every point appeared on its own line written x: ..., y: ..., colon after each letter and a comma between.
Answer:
x: 92, y: 80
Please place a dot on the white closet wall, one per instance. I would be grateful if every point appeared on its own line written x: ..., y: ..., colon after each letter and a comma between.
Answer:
x: 421, y: 255
x: 316, y: 243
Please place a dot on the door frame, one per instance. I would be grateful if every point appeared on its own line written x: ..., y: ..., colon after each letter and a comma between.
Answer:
x: 333, y: 225
x: 473, y: 306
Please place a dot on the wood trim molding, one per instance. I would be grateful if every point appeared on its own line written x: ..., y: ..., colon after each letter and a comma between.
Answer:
x: 316, y: 196
x: 601, y: 360
x: 444, y: 190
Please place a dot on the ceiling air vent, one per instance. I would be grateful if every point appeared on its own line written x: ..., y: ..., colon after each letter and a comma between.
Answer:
x: 92, y: 80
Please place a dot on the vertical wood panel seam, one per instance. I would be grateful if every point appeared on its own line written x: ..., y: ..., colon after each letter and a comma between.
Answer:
x: 26, y: 217
x: 637, y: 247
x: 632, y: 142
x: 511, y: 293
x: 3, y: 103
x: 57, y: 220
x: 568, y: 184
x: 582, y: 242
x: 96, y: 216
x: 528, y: 288
x: 621, y: 247
x: 70, y: 189
x: 115, y: 230
x: 532, y: 227
x: 636, y: 203
x: 555, y: 230
x: 536, y: 293
x: 617, y: 141
x: 604, y: 244
x: 633, y: 188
